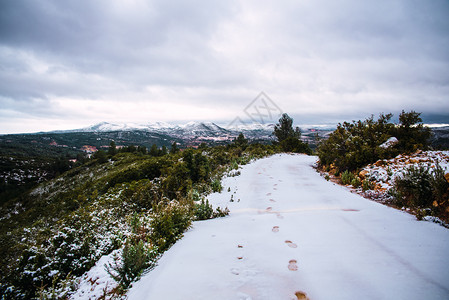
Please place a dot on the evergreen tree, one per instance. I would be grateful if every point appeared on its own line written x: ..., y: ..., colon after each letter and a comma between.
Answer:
x: 164, y: 150
x: 241, y: 141
x: 288, y: 137
x: 112, y: 149
x: 284, y: 129
x: 154, y: 151
x: 142, y: 149
x: 174, y: 148
x: 101, y: 156
x: 411, y: 133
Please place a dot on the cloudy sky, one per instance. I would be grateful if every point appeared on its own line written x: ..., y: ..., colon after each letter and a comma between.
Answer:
x: 74, y: 63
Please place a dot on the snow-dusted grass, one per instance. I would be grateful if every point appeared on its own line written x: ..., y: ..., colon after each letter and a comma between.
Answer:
x: 289, y: 231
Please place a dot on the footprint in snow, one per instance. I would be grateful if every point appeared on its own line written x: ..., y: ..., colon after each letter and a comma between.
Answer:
x: 269, y: 209
x: 301, y: 296
x: 268, y: 194
x: 272, y: 200
x: 292, y: 266
x: 291, y: 244
x: 275, y: 229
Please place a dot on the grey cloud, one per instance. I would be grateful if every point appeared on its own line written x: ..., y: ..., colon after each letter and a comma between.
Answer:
x: 333, y: 57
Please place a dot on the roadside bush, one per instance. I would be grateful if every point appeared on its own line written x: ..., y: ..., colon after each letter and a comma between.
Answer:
x: 354, y: 145
x: 216, y: 186
x: 293, y: 144
x: 420, y: 187
x: 367, y: 185
x: 414, y: 188
x: 135, y: 258
x: 440, y: 187
x: 168, y: 223
x: 356, y: 182
x: 203, y: 210
x: 347, y: 177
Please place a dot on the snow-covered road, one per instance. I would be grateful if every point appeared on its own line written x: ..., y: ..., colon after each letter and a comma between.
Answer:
x: 290, y: 231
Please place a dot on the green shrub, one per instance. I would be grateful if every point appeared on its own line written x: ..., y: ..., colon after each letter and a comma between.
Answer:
x: 135, y: 258
x: 347, y: 177
x: 356, y: 182
x: 421, y: 187
x: 216, y: 186
x: 168, y: 223
x: 367, y: 185
x: 203, y: 210
x: 293, y: 144
x: 414, y: 188
x: 219, y: 212
x: 440, y: 186
x: 354, y: 145
x: 195, y: 195
x: 234, y: 165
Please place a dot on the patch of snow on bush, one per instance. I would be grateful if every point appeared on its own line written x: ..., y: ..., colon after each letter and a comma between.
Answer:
x: 389, y: 143
x: 96, y: 282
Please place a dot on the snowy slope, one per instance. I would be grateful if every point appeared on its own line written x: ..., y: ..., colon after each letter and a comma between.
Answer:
x: 291, y: 231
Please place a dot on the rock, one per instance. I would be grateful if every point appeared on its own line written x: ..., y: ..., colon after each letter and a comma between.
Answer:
x: 379, y: 163
x: 362, y: 174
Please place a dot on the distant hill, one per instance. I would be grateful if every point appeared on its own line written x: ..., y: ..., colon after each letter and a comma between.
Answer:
x: 440, y: 139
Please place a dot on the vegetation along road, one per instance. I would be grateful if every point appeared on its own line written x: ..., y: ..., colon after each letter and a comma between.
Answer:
x: 293, y: 235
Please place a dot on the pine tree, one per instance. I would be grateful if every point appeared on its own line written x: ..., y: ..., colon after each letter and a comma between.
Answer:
x: 284, y: 129
x: 154, y: 151
x: 112, y: 149
x: 174, y: 148
x: 164, y: 150
x: 241, y: 141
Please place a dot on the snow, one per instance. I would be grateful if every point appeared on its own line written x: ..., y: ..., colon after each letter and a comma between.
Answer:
x: 389, y: 143
x: 96, y: 282
x: 291, y: 231
x: 384, y: 172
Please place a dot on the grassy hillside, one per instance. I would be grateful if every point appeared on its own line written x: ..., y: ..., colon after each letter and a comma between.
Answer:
x: 59, y: 229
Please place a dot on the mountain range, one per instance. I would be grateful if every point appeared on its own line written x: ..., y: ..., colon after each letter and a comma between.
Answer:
x: 193, y: 133
x: 190, y: 128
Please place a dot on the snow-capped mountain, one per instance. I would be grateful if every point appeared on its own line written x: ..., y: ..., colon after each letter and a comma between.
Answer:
x: 191, y: 133
x: 190, y: 129
x: 203, y: 129
x: 105, y: 127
